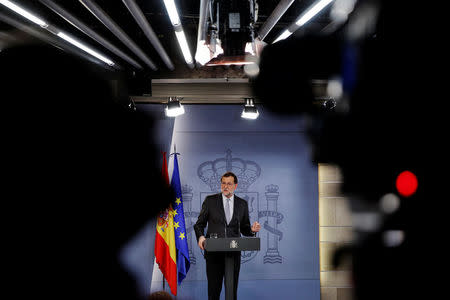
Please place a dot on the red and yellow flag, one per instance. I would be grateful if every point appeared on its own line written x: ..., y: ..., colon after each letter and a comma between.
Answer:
x: 165, y: 252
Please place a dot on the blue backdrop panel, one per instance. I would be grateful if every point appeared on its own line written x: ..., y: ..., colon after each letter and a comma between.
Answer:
x: 271, y: 157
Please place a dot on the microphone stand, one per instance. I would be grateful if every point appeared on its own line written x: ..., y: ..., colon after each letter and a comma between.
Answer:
x: 239, y: 229
x: 225, y: 228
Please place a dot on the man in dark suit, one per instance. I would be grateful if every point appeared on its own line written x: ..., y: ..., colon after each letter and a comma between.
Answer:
x: 227, y: 216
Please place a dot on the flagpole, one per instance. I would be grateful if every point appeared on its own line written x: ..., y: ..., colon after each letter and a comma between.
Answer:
x: 183, y: 263
x: 174, y: 150
x: 165, y: 242
x: 164, y: 279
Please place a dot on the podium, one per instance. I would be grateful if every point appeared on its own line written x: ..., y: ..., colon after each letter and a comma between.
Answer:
x: 231, y: 245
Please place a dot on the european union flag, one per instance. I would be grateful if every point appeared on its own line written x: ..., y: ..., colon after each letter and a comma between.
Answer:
x: 183, y: 262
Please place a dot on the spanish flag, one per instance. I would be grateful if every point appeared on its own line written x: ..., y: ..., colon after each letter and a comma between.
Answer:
x: 165, y: 251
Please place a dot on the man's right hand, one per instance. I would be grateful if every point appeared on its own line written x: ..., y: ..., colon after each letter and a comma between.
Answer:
x: 201, y: 241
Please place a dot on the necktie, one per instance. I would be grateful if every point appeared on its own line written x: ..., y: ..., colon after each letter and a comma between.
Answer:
x: 227, y: 211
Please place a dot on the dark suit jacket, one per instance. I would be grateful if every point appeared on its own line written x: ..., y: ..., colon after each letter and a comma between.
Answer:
x: 213, y: 215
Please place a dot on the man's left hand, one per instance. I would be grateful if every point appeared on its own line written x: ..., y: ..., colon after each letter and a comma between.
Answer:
x: 256, y: 226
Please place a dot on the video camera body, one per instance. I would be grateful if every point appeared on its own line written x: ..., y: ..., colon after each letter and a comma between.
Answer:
x: 230, y: 24
x: 373, y: 133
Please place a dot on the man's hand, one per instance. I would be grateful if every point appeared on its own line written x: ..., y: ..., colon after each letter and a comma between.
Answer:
x: 201, y: 241
x: 256, y: 226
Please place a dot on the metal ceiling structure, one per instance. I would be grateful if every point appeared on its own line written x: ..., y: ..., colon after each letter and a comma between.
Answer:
x: 137, y: 35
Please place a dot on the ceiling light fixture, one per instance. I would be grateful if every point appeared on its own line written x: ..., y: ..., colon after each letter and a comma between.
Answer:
x: 24, y: 13
x: 181, y: 37
x: 250, y: 111
x: 85, y: 48
x: 172, y: 11
x: 312, y: 11
x: 174, y: 107
x: 286, y: 33
x: 178, y: 28
x: 52, y: 29
x: 71, y: 19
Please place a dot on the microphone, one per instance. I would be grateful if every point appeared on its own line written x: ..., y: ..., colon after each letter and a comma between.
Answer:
x: 239, y: 229
x: 225, y: 229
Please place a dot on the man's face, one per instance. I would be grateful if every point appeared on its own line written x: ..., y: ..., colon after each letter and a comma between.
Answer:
x: 228, y: 186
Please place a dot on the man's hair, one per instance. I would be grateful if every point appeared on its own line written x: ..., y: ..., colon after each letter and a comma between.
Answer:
x: 160, y: 295
x: 230, y: 174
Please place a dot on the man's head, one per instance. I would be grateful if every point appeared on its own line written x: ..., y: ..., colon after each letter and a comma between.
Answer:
x: 228, y: 184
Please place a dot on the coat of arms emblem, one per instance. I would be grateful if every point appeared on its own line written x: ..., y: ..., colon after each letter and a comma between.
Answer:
x: 248, y: 172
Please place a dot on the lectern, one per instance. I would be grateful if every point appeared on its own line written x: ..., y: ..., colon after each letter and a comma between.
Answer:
x: 227, y: 245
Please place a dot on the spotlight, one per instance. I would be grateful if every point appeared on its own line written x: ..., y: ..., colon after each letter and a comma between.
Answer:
x: 329, y: 104
x: 174, y: 107
x: 132, y: 105
x: 250, y: 111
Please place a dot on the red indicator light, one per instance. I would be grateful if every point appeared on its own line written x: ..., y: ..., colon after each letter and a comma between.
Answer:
x: 406, y: 183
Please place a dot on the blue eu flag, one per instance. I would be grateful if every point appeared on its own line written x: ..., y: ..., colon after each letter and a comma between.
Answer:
x: 181, y: 244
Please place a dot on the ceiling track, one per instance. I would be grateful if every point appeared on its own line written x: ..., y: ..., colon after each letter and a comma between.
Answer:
x: 207, y: 91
